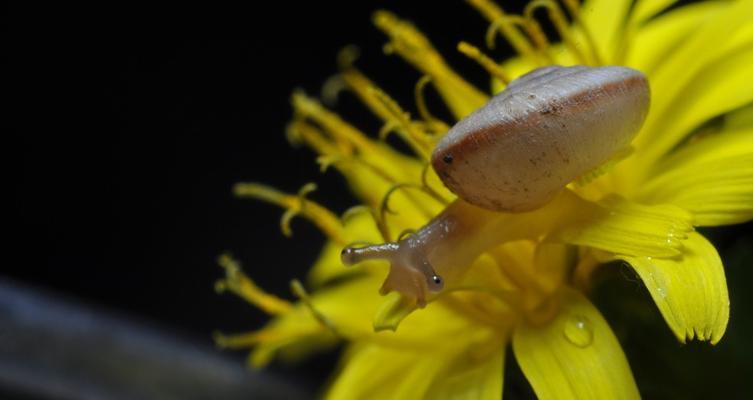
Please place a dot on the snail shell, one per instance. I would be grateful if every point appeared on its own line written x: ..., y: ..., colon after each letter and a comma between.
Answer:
x: 544, y: 130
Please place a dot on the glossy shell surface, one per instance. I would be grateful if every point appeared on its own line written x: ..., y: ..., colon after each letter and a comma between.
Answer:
x: 544, y: 130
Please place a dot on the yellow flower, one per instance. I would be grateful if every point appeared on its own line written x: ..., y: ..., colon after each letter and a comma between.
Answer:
x: 691, y: 165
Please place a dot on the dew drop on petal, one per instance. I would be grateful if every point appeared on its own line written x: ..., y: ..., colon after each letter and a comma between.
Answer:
x: 578, y: 331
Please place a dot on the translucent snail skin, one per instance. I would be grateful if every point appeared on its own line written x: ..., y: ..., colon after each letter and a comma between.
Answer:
x: 515, y: 155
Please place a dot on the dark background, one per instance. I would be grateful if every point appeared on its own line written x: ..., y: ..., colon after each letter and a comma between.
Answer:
x: 130, y: 142
x: 129, y: 137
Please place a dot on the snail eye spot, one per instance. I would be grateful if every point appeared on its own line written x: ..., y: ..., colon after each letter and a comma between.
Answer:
x: 447, y: 159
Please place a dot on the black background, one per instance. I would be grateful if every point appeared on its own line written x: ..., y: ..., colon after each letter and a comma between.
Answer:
x: 131, y: 138
x: 129, y: 131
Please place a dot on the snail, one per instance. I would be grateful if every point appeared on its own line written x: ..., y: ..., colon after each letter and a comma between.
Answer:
x: 514, y: 156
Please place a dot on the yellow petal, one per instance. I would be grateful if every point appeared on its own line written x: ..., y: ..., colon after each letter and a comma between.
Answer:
x: 374, y: 372
x: 328, y: 266
x: 690, y: 291
x: 553, y: 263
x: 605, y: 20
x: 714, y: 146
x: 294, y: 347
x: 712, y: 178
x: 645, y: 9
x: 575, y: 356
x: 435, y: 358
x: 471, y: 377
x: 681, y: 72
x: 487, y: 271
x: 614, y: 225
x: 429, y: 329
x: 349, y: 305
x: 299, y: 332
x: 651, y: 44
x: 625, y: 227
x: 721, y: 87
x: 394, y: 309
x: 348, y: 308
x: 740, y: 119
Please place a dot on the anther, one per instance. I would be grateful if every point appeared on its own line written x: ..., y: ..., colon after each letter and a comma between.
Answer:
x: 401, y: 121
x: 433, y: 124
x: 331, y: 89
x: 482, y: 59
x: 558, y: 19
x: 512, y: 34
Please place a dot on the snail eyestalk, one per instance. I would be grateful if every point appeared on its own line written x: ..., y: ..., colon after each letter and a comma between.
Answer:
x: 410, y: 273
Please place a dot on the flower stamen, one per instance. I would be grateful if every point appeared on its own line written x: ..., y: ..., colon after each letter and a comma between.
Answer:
x: 558, y: 19
x: 431, y: 123
x: 344, y: 134
x: 384, y: 208
x: 242, y: 340
x: 533, y: 28
x: 421, y: 142
x: 387, y: 128
x: 485, y: 61
x: 331, y: 89
x: 330, y: 155
x: 539, y: 55
x: 300, y: 292
x: 425, y: 182
x: 508, y: 30
x: 240, y: 284
x: 295, y: 205
x: 461, y: 97
x: 373, y: 97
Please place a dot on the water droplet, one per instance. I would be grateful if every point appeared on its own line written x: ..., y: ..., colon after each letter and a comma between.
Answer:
x: 578, y: 331
x: 662, y: 292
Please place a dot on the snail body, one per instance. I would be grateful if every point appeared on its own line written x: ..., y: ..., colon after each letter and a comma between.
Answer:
x: 507, y: 161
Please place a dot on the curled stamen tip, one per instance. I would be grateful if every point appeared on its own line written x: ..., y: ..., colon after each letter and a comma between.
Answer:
x: 219, y: 339
x: 331, y: 89
x: 384, y: 19
x: 220, y: 286
x: 347, y: 56
x: 297, y: 95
